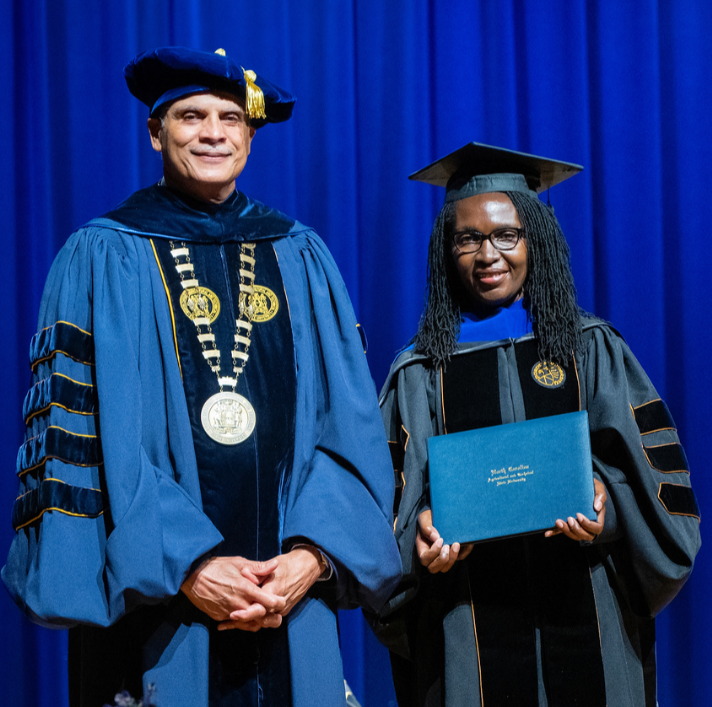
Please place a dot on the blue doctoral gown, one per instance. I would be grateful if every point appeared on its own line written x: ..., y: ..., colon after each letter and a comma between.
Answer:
x: 109, y: 514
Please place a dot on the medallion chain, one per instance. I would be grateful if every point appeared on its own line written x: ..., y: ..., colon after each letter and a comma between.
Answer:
x: 227, y: 417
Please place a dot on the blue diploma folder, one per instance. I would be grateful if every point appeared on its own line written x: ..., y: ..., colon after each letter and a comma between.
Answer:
x: 511, y: 479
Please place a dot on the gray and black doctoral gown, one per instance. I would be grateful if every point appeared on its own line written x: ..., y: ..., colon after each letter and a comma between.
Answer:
x: 529, y: 620
x: 122, y: 491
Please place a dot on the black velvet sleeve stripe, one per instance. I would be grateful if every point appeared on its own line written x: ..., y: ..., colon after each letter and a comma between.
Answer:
x: 653, y: 416
x: 57, y: 443
x: 398, y: 460
x: 62, y: 391
x: 679, y: 500
x: 667, y: 458
x: 400, y: 487
x: 55, y: 495
x: 397, y: 456
x: 62, y: 337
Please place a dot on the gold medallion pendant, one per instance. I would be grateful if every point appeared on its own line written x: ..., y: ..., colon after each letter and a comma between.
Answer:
x: 548, y: 374
x: 200, y: 302
x: 228, y: 418
x: 264, y: 304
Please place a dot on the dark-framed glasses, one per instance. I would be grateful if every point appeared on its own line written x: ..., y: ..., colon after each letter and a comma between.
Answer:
x: 471, y: 241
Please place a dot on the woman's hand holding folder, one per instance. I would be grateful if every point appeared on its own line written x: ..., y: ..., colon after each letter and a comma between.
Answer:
x: 438, y: 557
x: 581, y: 528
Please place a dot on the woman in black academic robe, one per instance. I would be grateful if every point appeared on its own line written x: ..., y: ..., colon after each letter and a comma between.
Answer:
x: 563, y: 617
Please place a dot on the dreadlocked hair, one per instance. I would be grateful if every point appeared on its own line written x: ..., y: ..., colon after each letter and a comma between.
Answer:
x: 439, y: 325
x: 549, y: 291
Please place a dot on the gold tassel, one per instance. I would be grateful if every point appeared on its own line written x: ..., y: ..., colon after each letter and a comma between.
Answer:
x: 255, y: 97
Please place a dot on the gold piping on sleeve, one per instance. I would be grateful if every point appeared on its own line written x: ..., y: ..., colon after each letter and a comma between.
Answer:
x: 661, y: 429
x: 61, y: 375
x: 170, y: 305
x: 59, y: 405
x: 648, y: 403
x: 62, y: 321
x: 20, y: 474
x: 54, y: 353
x: 57, y: 427
x: 57, y: 481
x: 59, y: 510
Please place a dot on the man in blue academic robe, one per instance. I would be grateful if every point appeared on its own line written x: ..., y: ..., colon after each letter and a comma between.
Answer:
x: 205, y: 477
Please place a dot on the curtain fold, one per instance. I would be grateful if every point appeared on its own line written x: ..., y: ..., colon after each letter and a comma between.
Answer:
x: 623, y: 88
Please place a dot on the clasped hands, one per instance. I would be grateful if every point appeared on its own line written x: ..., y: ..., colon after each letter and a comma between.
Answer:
x: 250, y: 595
x: 438, y: 557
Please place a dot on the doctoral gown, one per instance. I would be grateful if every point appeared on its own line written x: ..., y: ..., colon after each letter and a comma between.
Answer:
x: 530, y: 620
x: 116, y: 503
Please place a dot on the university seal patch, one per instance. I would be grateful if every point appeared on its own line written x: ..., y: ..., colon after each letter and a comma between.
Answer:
x: 548, y: 374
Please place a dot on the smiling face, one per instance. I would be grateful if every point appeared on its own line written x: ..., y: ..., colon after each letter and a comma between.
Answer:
x: 204, y: 140
x: 491, y: 277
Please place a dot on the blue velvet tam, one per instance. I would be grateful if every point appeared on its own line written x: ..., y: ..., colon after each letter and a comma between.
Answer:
x: 163, y: 75
x: 481, y: 169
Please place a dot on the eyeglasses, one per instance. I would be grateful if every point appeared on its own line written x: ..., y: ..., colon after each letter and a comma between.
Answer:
x: 501, y: 238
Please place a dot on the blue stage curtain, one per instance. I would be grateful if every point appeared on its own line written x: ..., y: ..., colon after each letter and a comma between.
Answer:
x: 624, y: 88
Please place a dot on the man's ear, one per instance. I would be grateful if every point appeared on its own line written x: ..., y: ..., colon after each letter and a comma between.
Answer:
x: 251, y: 134
x: 154, y: 130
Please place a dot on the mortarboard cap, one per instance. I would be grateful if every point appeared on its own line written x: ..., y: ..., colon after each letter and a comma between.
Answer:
x: 163, y: 75
x: 480, y: 169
